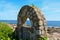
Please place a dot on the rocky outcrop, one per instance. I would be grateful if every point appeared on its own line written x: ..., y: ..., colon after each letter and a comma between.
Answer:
x: 38, y: 22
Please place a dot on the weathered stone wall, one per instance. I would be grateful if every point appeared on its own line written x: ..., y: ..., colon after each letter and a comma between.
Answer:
x: 38, y: 22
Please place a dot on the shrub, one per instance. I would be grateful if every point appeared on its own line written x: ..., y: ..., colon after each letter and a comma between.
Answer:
x: 6, y: 33
x: 43, y: 38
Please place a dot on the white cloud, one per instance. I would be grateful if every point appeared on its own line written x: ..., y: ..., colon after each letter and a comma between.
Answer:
x: 51, y: 6
x: 8, y: 11
x: 28, y: 19
x: 51, y: 10
x: 45, y: 8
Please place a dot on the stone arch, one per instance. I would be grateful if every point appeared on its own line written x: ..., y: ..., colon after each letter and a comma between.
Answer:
x: 37, y: 18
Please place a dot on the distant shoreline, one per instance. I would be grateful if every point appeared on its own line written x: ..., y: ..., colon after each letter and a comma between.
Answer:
x: 49, y: 23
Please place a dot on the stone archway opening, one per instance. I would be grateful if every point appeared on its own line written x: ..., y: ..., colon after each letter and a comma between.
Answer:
x: 28, y: 22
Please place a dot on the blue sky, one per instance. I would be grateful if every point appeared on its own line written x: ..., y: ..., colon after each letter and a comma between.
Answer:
x: 9, y: 8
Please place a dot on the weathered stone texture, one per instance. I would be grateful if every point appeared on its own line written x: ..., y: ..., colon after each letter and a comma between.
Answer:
x: 38, y: 22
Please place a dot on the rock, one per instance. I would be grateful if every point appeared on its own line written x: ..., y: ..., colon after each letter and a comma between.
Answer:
x: 37, y: 19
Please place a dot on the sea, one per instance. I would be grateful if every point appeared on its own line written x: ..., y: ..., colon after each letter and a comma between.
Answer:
x: 49, y: 23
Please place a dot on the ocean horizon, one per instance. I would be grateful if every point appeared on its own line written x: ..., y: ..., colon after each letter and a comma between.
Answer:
x: 49, y: 23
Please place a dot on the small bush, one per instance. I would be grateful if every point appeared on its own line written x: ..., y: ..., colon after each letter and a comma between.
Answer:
x: 6, y: 33
x: 43, y: 38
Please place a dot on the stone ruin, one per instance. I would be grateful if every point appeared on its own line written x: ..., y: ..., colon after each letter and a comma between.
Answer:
x: 38, y: 24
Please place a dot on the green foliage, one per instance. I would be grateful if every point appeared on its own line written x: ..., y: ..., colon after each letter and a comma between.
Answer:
x: 33, y: 5
x: 6, y: 33
x: 45, y: 38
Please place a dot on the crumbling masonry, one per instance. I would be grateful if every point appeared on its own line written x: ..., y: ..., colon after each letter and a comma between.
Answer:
x: 38, y: 22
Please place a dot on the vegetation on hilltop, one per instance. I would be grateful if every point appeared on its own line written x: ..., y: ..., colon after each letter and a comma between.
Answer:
x: 6, y: 33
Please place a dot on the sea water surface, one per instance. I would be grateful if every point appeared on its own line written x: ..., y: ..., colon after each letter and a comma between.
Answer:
x: 49, y: 23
